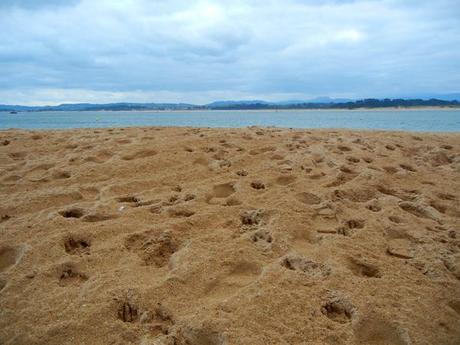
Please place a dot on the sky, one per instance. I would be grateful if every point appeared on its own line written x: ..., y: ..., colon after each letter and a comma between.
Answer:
x: 102, y: 51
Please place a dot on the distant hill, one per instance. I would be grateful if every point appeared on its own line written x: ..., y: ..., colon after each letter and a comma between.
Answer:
x: 317, y: 103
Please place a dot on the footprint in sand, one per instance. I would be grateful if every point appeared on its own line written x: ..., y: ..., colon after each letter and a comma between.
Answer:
x: 99, y: 157
x: 97, y: 217
x: 344, y: 148
x: 153, y: 250
x: 308, y: 198
x: 180, y: 213
x: 408, y: 167
x: 10, y: 256
x: 61, y: 174
x: 356, y: 195
x: 17, y: 155
x: 262, y: 238
x: 76, y: 245
x: 223, y: 190
x: 339, y: 309
x: 160, y: 320
x: 306, y: 266
x: 74, y: 212
x: 139, y: 154
x: 70, y: 275
x: 127, y: 311
x: 452, y: 263
x: 401, y: 248
x: 420, y: 210
x: 253, y: 217
x: 258, y: 184
x: 196, y: 336
x: 128, y: 199
x: 363, y: 268
x: 370, y: 330
x: 237, y: 276
x: 285, y: 180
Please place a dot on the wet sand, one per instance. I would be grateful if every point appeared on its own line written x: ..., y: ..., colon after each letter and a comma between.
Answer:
x: 229, y: 236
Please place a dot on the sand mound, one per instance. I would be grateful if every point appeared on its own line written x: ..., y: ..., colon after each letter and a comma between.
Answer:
x: 192, y: 236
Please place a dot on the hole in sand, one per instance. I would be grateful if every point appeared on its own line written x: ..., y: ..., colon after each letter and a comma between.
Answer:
x: 308, y: 198
x: 252, y: 217
x: 344, y: 148
x: 128, y: 199
x: 455, y: 305
x: 2, y: 284
x: 395, y: 219
x: 139, y: 154
x: 416, y: 209
x: 307, y: 266
x: 4, y: 218
x: 180, y: 213
x: 70, y: 275
x: 223, y: 190
x: 97, y: 217
x: 338, y: 310
x: 76, y: 246
x: 61, y: 175
x: 374, y: 208
x: 9, y: 256
x: 233, y: 202
x: 127, y: 312
x: 407, y: 167
x: 355, y: 224
x: 352, y: 159
x: 438, y: 206
x: 390, y: 147
x: 285, y: 180
x: 152, y: 250
x: 202, y: 337
x: 262, y: 236
x: 390, y: 169
x: 446, y: 196
x: 72, y: 213
x: 371, y: 331
x: 257, y: 185
x: 363, y: 269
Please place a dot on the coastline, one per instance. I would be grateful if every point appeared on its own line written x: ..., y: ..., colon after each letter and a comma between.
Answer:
x: 382, y: 109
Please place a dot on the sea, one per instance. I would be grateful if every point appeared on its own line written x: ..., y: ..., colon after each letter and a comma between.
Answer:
x: 441, y: 120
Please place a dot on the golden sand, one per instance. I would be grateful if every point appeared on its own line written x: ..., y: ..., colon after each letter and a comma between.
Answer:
x: 229, y: 236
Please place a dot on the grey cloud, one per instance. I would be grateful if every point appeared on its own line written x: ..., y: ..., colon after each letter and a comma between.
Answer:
x: 245, y: 48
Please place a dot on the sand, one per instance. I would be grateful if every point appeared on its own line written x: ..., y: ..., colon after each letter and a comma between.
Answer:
x: 229, y: 236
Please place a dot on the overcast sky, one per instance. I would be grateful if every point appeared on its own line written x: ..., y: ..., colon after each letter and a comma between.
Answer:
x: 55, y: 51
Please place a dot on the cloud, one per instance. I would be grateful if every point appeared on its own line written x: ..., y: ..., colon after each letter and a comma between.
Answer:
x: 196, y: 51
x: 35, y: 4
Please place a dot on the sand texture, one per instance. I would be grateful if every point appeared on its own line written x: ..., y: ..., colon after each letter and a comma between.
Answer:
x: 187, y: 236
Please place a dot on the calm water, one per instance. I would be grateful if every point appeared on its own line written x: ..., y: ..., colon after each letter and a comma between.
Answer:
x: 414, y: 120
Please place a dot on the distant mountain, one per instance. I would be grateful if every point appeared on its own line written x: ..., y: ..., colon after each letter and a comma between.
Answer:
x: 317, y: 103
x: 288, y: 102
x: 218, y: 104
x: 97, y: 107
x: 446, y: 97
x: 329, y: 100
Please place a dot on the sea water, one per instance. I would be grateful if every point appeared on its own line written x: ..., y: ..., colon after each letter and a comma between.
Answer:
x: 407, y: 120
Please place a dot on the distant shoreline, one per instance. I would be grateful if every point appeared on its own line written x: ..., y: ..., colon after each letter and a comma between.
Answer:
x: 415, y: 108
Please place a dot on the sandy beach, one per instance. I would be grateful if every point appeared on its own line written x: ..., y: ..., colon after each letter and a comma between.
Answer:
x: 196, y: 236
